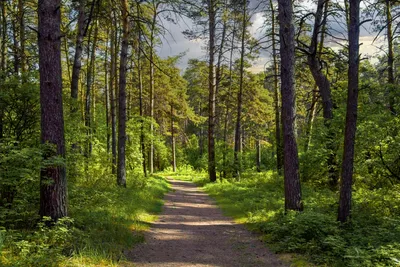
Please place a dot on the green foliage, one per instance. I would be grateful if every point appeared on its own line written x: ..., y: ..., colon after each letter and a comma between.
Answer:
x: 371, y: 239
x: 19, y: 180
x: 102, y: 218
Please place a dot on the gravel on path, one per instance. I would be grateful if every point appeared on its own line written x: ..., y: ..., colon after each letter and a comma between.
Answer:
x: 192, y: 231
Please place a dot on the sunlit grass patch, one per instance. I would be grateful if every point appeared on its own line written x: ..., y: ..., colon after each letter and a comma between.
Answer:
x: 371, y: 239
x: 104, y: 221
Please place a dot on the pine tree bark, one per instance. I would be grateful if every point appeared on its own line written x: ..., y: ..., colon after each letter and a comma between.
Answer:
x: 238, y: 147
x: 121, y: 169
x: 258, y: 155
x: 15, y: 47
x: 89, y: 96
x: 351, y: 113
x: 76, y: 69
x: 113, y: 74
x: 173, y: 140
x: 21, y: 14
x: 323, y: 84
x: 3, y: 59
x: 53, y: 182
x: 390, y: 60
x: 140, y: 80
x: 107, y: 92
x: 287, y: 53
x: 278, y: 132
x: 151, y: 57
x: 310, y: 120
x: 211, y: 88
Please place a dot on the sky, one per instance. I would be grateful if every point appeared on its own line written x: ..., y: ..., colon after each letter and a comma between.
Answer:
x: 175, y: 43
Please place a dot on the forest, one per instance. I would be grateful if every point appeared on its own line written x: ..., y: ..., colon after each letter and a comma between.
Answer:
x: 290, y: 126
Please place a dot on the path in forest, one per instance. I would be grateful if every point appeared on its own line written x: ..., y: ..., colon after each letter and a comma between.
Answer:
x: 192, y: 231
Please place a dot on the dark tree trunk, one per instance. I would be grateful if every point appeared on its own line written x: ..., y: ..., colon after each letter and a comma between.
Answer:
x: 238, y: 148
x: 351, y: 114
x: 3, y: 36
x: 113, y: 74
x: 152, y: 33
x: 218, y: 71
x: 390, y: 61
x: 107, y: 92
x: 76, y: 69
x: 258, y: 155
x: 140, y: 80
x: 323, y: 84
x: 53, y: 182
x: 15, y: 47
x: 314, y: 62
x: 121, y: 169
x: 173, y: 140
x: 89, y: 96
x: 3, y: 60
x: 227, y: 105
x: 278, y: 132
x: 21, y: 21
x: 211, y: 88
x: 310, y: 119
x: 291, y: 161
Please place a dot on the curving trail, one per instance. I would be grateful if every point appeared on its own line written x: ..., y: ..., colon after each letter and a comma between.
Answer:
x: 192, y: 231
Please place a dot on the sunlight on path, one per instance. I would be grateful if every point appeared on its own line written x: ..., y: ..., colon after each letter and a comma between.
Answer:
x: 192, y: 231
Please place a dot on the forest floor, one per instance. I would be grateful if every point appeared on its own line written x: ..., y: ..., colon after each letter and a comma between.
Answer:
x: 192, y: 231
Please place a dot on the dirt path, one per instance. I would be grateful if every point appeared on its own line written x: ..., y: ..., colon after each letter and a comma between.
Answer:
x: 192, y: 231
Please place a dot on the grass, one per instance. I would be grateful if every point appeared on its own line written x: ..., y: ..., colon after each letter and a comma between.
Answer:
x: 104, y: 221
x: 371, y: 239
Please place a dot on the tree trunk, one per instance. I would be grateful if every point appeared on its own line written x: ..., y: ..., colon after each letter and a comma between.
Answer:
x: 3, y: 60
x: 237, y: 162
x: 278, y: 132
x: 121, y: 169
x: 351, y: 114
x: 76, y: 69
x: 89, y: 96
x: 152, y: 33
x: 218, y: 72
x: 390, y: 62
x: 15, y: 47
x: 291, y: 162
x: 21, y: 20
x: 227, y: 106
x: 53, y: 182
x: 3, y: 36
x: 323, y: 84
x: 140, y: 80
x: 258, y: 155
x: 107, y: 92
x: 310, y: 119
x: 113, y: 74
x: 211, y: 87
x: 173, y: 140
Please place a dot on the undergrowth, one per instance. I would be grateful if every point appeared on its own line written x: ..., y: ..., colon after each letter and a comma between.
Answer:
x: 104, y: 221
x: 372, y: 238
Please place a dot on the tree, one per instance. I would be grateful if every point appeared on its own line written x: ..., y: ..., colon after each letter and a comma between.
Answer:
x: 290, y: 157
x: 237, y: 163
x: 278, y: 133
x: 53, y: 182
x: 81, y: 30
x: 121, y: 168
x: 211, y: 88
x: 351, y: 113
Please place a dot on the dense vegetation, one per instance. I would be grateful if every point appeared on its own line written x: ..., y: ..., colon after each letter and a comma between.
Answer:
x: 90, y: 112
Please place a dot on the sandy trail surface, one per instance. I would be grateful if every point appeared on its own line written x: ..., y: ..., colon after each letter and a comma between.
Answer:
x: 192, y: 231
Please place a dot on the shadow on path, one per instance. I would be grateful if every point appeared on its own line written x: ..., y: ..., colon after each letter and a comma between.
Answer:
x: 192, y: 231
